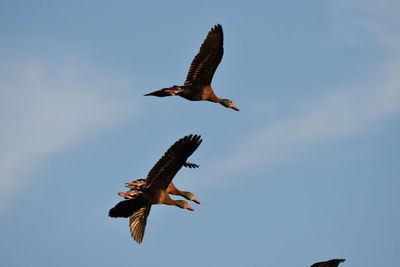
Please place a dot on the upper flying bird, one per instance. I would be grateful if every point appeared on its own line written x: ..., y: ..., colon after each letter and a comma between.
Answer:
x: 330, y: 263
x: 197, y: 86
x: 154, y: 191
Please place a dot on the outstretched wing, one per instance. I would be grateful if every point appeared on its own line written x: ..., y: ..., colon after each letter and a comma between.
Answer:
x: 137, y: 223
x: 167, y: 167
x: 206, y: 61
x: 330, y: 263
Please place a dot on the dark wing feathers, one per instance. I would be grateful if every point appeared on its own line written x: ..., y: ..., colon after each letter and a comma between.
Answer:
x: 330, y: 263
x: 137, y: 223
x: 191, y: 165
x: 188, y: 164
x: 206, y: 61
x: 125, y: 208
x: 166, y: 168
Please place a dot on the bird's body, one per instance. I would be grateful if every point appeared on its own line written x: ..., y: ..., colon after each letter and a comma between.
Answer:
x: 330, y: 263
x: 157, y: 187
x: 137, y: 185
x: 197, y: 86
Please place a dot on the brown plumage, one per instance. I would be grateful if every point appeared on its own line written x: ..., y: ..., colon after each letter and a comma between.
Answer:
x: 330, y: 263
x: 155, y: 189
x: 138, y: 184
x: 136, y: 188
x: 197, y: 86
x: 173, y: 190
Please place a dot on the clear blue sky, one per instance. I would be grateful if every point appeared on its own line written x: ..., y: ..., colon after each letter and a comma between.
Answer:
x: 308, y: 170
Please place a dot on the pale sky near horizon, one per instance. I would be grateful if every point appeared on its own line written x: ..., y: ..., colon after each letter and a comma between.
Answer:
x: 307, y: 171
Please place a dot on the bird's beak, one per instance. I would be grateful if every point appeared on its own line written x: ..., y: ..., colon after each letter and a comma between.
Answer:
x: 235, y: 108
x: 190, y: 208
x: 196, y: 201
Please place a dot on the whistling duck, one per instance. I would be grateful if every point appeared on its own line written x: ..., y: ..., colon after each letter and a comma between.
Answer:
x: 154, y: 191
x: 330, y: 263
x: 197, y: 86
x: 171, y: 189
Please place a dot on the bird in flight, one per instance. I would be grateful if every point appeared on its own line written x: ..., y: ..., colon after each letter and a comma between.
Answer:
x: 155, y: 189
x: 138, y: 184
x: 197, y: 86
x: 330, y: 263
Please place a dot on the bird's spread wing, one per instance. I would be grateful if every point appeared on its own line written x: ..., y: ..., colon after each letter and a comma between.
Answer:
x: 206, y: 61
x: 166, y: 168
x: 126, y: 208
x: 137, y: 223
x: 330, y: 263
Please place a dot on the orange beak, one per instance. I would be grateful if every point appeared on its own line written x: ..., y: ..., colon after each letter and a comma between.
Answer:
x: 196, y: 201
x: 190, y: 208
x: 235, y: 108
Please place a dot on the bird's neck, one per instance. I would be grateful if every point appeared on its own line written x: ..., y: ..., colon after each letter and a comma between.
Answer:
x: 213, y: 98
x: 167, y: 200
x: 208, y: 94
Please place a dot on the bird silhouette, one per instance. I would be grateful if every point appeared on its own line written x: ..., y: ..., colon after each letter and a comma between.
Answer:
x: 330, y: 263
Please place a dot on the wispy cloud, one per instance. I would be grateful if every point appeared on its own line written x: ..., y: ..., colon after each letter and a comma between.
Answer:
x: 368, y: 22
x: 45, y: 108
x: 344, y: 112
x: 333, y: 116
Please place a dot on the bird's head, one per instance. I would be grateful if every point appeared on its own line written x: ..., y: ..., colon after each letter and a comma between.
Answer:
x: 229, y: 104
x: 183, y: 205
x: 190, y: 196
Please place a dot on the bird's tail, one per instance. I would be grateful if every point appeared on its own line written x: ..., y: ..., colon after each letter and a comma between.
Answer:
x: 174, y: 90
x: 126, y: 208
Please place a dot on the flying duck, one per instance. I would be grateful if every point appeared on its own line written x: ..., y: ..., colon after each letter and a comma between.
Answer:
x: 155, y: 189
x: 137, y: 185
x: 197, y: 86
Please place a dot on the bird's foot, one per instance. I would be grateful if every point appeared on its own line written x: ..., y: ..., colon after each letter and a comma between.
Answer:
x: 129, y: 194
x: 173, y: 91
x: 134, y: 185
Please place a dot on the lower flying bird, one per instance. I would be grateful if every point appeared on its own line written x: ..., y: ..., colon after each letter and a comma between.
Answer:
x: 330, y: 263
x: 197, y: 86
x: 154, y: 191
x: 136, y: 188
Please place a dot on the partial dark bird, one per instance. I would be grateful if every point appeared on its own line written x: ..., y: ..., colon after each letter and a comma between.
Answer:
x: 155, y: 189
x: 330, y: 263
x: 197, y: 86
